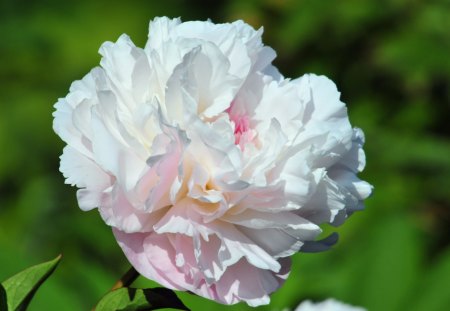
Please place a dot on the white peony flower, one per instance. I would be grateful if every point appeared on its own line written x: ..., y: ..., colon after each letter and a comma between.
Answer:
x: 211, y: 168
x: 327, y: 305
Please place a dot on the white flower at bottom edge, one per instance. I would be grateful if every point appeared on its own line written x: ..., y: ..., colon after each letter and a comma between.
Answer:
x: 327, y: 305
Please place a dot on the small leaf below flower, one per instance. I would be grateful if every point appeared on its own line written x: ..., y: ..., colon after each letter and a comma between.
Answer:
x: 131, y: 299
x: 17, y: 291
x: 3, y: 305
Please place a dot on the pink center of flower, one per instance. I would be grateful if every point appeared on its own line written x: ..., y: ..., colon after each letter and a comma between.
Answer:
x: 243, y: 134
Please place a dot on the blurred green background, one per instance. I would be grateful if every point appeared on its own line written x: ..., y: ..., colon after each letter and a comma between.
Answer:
x: 391, y: 62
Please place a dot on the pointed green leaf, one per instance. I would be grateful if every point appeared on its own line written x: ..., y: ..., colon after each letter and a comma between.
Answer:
x: 131, y: 299
x: 20, y: 288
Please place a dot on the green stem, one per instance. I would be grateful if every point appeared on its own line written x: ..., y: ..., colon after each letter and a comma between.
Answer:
x: 126, y: 280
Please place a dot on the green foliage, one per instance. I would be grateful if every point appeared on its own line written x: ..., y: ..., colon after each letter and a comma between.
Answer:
x: 17, y: 291
x: 434, y: 287
x: 3, y: 302
x: 133, y: 299
x: 389, y: 59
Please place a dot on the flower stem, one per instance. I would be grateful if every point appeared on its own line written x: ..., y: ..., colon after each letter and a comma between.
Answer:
x: 126, y: 280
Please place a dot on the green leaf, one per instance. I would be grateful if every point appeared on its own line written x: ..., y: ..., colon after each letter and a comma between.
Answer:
x: 20, y: 288
x: 3, y: 305
x: 131, y: 299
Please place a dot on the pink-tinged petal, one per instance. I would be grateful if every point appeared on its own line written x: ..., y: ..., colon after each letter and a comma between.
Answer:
x: 152, y: 256
x: 178, y: 220
x: 161, y: 254
x: 209, y: 256
x: 243, y: 281
x: 117, y: 211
